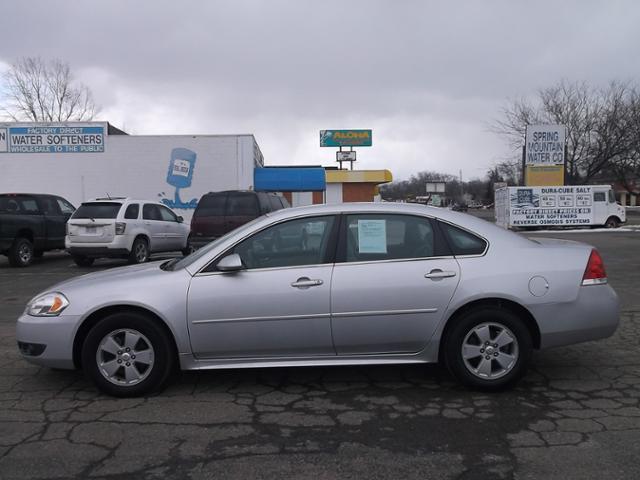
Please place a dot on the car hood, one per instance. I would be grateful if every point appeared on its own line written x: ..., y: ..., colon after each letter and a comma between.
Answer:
x: 120, y: 274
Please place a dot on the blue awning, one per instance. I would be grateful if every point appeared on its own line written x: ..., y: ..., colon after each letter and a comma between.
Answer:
x: 289, y: 179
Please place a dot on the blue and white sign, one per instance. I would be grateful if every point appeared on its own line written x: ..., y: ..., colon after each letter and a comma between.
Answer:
x: 40, y: 139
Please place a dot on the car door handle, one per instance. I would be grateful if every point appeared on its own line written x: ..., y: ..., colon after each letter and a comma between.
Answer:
x: 439, y: 274
x: 305, y: 282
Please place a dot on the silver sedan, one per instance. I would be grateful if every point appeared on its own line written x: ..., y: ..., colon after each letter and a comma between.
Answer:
x: 350, y: 284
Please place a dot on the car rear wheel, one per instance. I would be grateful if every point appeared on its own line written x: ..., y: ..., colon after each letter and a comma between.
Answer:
x: 127, y: 354
x: 21, y: 253
x: 139, y: 251
x: 83, y: 261
x: 488, y: 348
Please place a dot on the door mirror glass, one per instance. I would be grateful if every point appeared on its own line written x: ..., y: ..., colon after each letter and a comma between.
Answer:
x: 230, y: 263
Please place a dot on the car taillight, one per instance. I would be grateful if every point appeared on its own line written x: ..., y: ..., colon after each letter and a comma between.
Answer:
x: 120, y: 227
x: 594, y: 274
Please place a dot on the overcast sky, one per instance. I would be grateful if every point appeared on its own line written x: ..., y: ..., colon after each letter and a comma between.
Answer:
x: 427, y: 77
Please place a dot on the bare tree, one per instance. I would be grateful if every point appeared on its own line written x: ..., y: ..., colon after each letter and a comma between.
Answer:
x: 599, y: 124
x: 40, y: 91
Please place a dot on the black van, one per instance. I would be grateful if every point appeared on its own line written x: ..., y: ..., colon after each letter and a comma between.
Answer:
x: 220, y: 212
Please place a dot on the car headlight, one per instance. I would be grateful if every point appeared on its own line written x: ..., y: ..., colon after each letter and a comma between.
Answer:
x: 47, y: 305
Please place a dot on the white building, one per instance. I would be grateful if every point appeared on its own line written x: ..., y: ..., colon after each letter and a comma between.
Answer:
x: 83, y: 160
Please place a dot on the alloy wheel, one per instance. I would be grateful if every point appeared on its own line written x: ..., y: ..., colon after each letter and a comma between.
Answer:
x: 125, y: 357
x: 490, y: 350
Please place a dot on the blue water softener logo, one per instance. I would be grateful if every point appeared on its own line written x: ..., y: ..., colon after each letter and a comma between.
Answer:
x: 180, y: 174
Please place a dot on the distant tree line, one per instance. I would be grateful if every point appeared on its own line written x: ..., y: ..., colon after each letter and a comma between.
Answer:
x: 603, y: 140
x: 603, y: 128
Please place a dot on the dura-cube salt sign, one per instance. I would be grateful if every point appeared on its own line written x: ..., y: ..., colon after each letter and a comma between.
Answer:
x: 544, y: 144
x: 58, y: 139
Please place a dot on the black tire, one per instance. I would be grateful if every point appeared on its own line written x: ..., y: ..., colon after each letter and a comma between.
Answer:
x: 83, y: 261
x: 189, y: 249
x: 21, y: 253
x: 500, y: 376
x: 139, y: 251
x: 612, y: 222
x: 152, y: 335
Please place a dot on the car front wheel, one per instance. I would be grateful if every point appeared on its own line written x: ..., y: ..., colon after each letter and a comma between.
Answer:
x: 128, y: 355
x: 488, y: 348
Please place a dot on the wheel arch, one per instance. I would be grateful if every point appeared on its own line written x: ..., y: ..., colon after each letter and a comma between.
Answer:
x: 25, y: 233
x: 614, y: 217
x: 92, y: 319
x: 495, y: 302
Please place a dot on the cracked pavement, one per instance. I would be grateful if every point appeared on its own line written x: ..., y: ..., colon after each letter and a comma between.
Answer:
x: 575, y: 415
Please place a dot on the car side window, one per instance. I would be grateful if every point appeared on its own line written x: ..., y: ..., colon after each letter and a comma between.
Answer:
x: 65, y: 207
x: 294, y: 243
x: 275, y: 202
x: 599, y: 197
x: 463, y: 242
x: 132, y: 212
x: 151, y: 212
x: 167, y: 215
x: 49, y: 206
x: 242, y: 205
x: 372, y: 237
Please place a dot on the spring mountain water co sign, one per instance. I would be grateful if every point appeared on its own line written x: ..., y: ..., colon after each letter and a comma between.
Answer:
x: 44, y: 139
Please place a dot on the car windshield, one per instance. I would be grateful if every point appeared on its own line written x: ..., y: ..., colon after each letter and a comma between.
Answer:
x: 188, y: 260
x: 97, y: 210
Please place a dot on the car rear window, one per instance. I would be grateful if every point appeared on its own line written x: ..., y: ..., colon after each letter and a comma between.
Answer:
x: 211, y: 205
x: 97, y: 210
x: 463, y: 242
x: 242, y: 205
x: 18, y: 204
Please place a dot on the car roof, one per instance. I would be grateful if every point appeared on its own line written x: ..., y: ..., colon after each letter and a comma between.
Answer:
x: 480, y: 226
x: 121, y: 200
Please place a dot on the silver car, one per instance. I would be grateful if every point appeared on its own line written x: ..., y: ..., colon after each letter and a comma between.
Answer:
x: 350, y: 284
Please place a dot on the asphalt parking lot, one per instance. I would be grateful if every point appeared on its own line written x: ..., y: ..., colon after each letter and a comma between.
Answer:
x: 575, y: 415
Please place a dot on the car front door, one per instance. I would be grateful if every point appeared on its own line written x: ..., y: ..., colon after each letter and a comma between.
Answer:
x: 55, y: 222
x: 155, y: 227
x: 392, y: 283
x: 278, y: 305
x: 175, y: 238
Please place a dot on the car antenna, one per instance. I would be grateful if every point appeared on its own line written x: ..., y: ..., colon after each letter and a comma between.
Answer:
x: 108, y: 196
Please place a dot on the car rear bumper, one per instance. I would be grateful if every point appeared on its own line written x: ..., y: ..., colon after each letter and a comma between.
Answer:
x: 54, y: 333
x: 120, y: 246
x: 593, y: 315
x: 98, y: 251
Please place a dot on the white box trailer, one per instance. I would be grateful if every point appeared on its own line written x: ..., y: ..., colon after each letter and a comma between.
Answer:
x: 84, y: 160
x: 566, y: 206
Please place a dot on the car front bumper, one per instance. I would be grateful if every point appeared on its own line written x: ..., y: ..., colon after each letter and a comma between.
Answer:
x: 595, y: 314
x: 55, y: 333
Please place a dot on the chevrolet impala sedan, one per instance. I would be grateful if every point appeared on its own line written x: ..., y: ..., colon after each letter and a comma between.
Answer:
x: 350, y: 284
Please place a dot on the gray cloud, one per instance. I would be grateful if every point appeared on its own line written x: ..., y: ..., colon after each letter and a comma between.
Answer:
x: 426, y: 76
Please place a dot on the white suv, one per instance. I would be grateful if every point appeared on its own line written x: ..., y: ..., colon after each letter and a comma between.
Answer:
x: 124, y: 227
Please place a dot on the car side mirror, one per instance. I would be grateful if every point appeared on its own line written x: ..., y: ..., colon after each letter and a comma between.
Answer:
x: 230, y: 263
x: 180, y: 219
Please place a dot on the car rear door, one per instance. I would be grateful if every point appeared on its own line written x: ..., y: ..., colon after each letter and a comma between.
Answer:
x: 392, y: 283
x: 278, y: 306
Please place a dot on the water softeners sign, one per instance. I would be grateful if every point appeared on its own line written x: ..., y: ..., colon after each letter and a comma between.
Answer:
x: 60, y: 139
